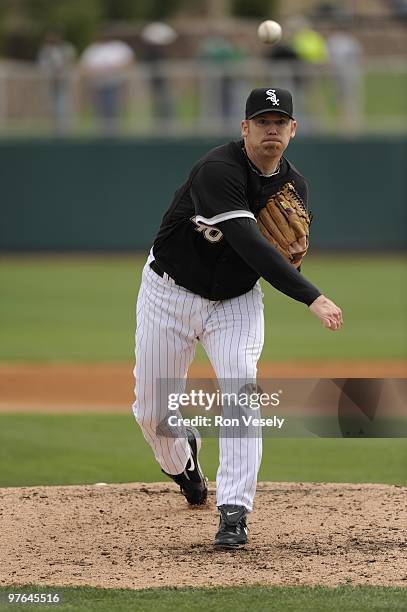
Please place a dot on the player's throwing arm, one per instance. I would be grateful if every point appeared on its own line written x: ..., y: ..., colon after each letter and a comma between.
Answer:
x: 327, y: 312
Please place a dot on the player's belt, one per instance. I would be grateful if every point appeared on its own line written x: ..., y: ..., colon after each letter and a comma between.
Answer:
x: 154, y: 266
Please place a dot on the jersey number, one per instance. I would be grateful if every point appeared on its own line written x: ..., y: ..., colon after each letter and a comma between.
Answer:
x: 210, y: 233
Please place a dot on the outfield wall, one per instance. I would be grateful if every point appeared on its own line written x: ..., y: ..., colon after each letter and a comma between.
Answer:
x: 63, y: 194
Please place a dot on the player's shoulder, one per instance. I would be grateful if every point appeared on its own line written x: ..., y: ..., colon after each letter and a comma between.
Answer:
x: 228, y: 153
x: 224, y: 159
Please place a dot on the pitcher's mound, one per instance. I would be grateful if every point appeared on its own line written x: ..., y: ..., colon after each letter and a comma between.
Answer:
x: 145, y: 535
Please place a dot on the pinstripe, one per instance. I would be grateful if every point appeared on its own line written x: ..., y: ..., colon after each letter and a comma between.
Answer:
x: 243, y: 479
x: 169, y: 321
x: 180, y: 372
x: 247, y: 487
x: 170, y: 452
x: 233, y: 341
x: 158, y: 439
x: 219, y: 366
x: 232, y: 445
x: 154, y: 317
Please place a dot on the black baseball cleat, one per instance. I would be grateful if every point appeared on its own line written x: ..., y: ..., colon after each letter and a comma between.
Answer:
x: 232, y: 532
x: 192, y: 482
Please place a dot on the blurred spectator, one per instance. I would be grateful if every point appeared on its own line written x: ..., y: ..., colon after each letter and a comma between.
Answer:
x: 286, y: 68
x: 398, y: 8
x: 56, y: 59
x: 346, y: 54
x: 308, y: 44
x: 157, y: 37
x: 104, y: 64
x: 312, y: 50
x: 225, y: 55
x: 332, y: 11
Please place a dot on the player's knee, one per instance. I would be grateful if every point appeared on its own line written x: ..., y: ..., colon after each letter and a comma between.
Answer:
x: 240, y: 369
x: 144, y: 417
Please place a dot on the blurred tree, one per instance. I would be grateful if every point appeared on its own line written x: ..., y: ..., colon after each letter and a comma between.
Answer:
x: 255, y: 8
x: 24, y: 22
x: 139, y: 9
x: 79, y: 20
x: 218, y: 8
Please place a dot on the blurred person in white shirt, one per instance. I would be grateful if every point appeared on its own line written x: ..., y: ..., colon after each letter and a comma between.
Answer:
x: 104, y: 64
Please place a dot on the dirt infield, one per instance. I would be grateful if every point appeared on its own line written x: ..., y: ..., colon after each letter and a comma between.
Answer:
x: 300, y: 534
x: 107, y: 387
x: 145, y: 535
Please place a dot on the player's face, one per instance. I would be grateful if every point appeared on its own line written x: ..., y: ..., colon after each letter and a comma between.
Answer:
x: 268, y: 134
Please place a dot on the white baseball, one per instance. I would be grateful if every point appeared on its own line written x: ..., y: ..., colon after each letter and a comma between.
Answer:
x: 269, y: 32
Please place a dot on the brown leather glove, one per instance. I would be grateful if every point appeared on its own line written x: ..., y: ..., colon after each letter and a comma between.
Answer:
x: 285, y: 222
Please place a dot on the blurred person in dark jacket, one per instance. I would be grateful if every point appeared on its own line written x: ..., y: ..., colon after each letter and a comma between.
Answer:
x: 56, y: 58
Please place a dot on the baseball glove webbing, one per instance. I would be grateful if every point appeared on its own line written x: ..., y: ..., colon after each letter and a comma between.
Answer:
x: 285, y: 222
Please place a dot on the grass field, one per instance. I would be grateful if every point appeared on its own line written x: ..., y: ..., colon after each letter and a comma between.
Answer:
x: 82, y: 309
x: 257, y: 599
x: 75, y: 449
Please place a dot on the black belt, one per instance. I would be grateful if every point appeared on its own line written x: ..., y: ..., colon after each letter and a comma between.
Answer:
x: 154, y: 266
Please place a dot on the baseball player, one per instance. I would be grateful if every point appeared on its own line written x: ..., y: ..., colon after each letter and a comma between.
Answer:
x: 200, y: 284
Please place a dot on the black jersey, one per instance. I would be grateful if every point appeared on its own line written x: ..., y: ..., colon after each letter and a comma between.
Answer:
x: 222, y: 186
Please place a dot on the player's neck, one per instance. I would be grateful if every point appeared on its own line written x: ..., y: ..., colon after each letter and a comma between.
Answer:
x: 266, y: 167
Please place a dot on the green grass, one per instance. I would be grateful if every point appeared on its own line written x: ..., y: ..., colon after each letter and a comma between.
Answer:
x: 396, y: 103
x: 371, y: 291
x: 88, y: 448
x: 83, y: 309
x: 74, y: 308
x: 256, y: 599
x: 323, y: 97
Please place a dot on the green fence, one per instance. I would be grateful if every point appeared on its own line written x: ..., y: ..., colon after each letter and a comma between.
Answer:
x: 111, y: 194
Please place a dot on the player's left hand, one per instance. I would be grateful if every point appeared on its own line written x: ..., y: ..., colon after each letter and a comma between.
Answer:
x: 327, y: 312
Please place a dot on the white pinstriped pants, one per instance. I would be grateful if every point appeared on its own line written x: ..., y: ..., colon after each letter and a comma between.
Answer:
x: 170, y: 320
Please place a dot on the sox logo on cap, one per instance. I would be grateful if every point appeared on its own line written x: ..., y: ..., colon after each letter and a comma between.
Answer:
x: 271, y: 95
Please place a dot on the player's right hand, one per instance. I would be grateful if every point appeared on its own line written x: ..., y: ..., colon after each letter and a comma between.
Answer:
x: 327, y: 312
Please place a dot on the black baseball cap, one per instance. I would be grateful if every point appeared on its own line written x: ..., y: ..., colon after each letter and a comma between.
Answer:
x: 269, y: 99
